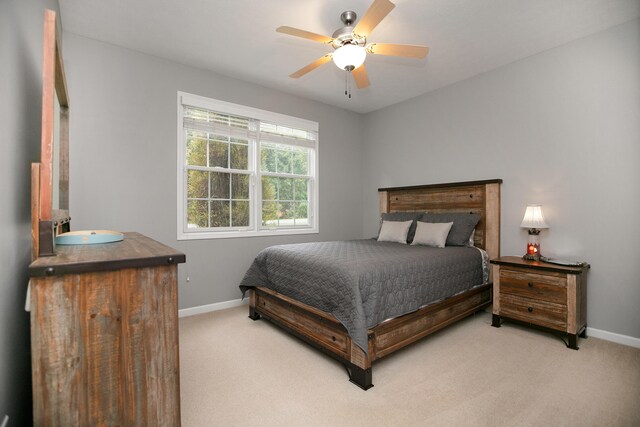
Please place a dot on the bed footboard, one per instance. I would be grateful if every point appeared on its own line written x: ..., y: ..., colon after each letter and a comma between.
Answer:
x: 319, y: 329
x: 324, y: 332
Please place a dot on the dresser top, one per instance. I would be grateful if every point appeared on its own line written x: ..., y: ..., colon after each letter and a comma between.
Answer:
x: 134, y: 251
x: 516, y: 261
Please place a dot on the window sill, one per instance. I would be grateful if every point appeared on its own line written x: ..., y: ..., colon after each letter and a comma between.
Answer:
x: 236, y: 234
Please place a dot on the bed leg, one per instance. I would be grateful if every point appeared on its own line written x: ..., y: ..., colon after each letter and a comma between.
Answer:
x: 360, y: 377
x: 253, y: 314
x: 253, y: 301
x: 495, y: 321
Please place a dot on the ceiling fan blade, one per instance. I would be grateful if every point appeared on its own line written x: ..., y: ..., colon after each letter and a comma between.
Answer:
x: 361, y: 77
x: 404, y: 50
x: 304, y: 34
x: 372, y: 17
x: 315, y: 64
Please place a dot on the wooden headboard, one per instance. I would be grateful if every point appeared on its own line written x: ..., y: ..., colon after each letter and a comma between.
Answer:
x: 480, y: 197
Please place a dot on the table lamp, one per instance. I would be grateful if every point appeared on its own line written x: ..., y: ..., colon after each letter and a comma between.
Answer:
x: 534, y: 221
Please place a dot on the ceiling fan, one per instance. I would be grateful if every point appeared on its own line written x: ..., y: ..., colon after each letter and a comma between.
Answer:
x: 350, y: 43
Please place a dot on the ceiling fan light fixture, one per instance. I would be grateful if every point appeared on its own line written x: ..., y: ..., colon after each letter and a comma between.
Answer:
x: 350, y: 44
x: 349, y: 56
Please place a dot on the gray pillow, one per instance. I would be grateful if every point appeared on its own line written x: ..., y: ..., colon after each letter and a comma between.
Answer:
x: 463, y: 225
x: 403, y: 216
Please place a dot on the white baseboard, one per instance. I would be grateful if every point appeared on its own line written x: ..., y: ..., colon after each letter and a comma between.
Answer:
x: 201, y: 309
x: 613, y: 337
x: 591, y: 332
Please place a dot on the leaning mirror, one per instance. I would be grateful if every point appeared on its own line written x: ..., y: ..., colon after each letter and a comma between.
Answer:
x: 50, y: 177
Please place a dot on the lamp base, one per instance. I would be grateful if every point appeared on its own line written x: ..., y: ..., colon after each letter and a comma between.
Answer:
x: 531, y: 257
x: 533, y: 245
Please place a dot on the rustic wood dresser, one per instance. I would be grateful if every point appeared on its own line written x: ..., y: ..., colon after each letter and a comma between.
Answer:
x: 104, y: 334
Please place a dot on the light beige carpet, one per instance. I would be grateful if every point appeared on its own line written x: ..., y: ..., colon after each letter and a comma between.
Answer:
x: 237, y: 372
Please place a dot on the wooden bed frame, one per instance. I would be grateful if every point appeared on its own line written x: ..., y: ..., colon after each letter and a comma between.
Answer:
x: 323, y: 331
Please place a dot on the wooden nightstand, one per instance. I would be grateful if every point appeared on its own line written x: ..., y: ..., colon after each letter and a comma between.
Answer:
x: 547, y: 295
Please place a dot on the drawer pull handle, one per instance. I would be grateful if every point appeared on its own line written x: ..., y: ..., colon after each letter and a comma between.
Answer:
x: 530, y: 309
x: 530, y: 284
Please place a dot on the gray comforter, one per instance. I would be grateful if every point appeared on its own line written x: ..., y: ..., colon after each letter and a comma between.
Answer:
x: 363, y: 282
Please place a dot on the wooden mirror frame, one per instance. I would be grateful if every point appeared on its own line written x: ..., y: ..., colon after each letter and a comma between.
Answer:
x: 46, y: 220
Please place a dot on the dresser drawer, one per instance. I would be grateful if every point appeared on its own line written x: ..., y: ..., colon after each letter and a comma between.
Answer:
x: 543, y: 287
x: 534, y: 311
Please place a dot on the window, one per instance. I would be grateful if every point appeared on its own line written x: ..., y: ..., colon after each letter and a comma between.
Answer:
x: 243, y: 171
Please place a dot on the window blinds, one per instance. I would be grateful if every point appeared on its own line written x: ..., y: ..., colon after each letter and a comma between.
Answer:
x: 219, y: 124
x: 246, y: 128
x: 270, y: 132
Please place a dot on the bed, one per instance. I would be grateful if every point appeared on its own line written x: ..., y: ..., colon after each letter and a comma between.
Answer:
x: 358, y: 316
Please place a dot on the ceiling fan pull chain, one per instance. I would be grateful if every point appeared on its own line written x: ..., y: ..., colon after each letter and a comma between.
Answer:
x: 346, y: 76
x: 347, y: 83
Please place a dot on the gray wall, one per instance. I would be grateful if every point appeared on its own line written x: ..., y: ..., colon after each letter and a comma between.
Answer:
x: 562, y: 128
x: 21, y: 23
x: 123, y: 158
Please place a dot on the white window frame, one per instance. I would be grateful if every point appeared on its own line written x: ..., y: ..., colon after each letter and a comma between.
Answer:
x: 255, y: 189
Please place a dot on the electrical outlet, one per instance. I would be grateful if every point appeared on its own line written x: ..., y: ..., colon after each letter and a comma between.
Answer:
x: 5, y: 422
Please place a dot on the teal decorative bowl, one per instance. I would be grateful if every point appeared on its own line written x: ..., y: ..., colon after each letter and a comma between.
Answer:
x: 88, y: 237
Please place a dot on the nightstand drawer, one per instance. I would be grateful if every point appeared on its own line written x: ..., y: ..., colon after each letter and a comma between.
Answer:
x: 534, y: 311
x: 541, y: 287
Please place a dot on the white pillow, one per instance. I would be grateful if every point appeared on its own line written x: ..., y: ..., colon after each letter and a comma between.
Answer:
x: 432, y: 233
x: 472, y: 242
x: 394, y: 231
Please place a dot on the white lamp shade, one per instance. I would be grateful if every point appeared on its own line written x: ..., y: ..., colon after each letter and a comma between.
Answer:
x: 533, y: 218
x: 349, y: 55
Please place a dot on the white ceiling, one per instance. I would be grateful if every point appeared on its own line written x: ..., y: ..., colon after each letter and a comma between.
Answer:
x: 237, y: 38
